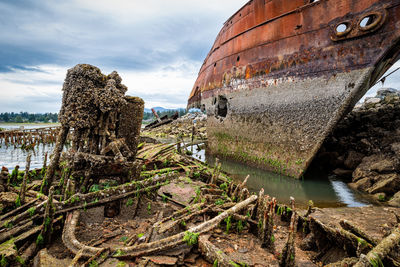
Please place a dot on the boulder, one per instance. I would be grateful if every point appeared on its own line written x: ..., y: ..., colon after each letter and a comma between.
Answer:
x: 386, y: 183
x: 342, y: 173
x: 372, y: 100
x: 383, y: 92
x: 396, y: 149
x: 7, y: 199
x: 395, y: 200
x: 380, y: 196
x: 43, y: 258
x: 383, y: 165
x: 374, y: 165
x: 362, y: 184
x: 353, y: 159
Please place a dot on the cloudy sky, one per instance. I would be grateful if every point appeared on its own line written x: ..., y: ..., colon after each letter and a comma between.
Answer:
x: 157, y: 46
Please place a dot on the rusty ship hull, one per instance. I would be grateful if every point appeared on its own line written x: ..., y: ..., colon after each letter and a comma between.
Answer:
x: 282, y: 73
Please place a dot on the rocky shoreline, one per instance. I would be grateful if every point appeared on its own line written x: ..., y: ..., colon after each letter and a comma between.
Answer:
x: 365, y: 148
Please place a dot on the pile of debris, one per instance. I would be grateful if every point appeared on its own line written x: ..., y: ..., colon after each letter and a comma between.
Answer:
x: 185, y: 126
x: 365, y: 147
x: 114, y: 202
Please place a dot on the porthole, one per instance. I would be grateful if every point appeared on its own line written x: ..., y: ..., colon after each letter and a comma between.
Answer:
x: 343, y: 28
x: 370, y: 21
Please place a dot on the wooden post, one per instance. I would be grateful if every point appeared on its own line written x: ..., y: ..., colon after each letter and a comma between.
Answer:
x: 49, y: 177
x: 23, y: 186
x: 156, y: 115
x: 45, y: 234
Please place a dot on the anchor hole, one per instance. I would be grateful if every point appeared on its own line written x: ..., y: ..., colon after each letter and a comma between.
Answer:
x: 222, y: 107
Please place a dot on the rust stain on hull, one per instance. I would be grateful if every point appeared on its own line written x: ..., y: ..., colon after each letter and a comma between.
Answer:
x: 281, y: 73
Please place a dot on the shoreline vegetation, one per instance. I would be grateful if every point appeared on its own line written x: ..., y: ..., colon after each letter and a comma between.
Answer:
x: 22, y: 118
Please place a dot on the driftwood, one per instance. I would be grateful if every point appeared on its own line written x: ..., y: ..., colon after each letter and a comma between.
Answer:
x: 177, y: 214
x: 22, y: 216
x: 103, y: 201
x: 75, y: 260
x: 381, y: 251
x: 118, y: 192
x: 151, y: 229
x: 171, y: 199
x: 353, y: 244
x: 5, y: 235
x: 17, y: 210
x: 74, y: 245
x: 99, y: 257
x: 29, y: 252
x: 212, y: 253
x: 166, y: 227
x: 358, y: 232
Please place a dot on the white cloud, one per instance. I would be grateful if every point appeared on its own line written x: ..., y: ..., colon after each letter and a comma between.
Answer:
x: 35, y: 89
x: 38, y: 88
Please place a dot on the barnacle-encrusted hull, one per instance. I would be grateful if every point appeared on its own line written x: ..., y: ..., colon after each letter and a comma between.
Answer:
x: 282, y: 73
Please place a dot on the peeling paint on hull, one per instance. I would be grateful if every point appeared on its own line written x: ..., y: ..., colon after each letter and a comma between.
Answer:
x: 276, y: 83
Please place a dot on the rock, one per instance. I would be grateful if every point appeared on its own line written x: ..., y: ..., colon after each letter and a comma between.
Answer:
x: 384, y: 165
x: 383, y: 92
x: 163, y: 260
x: 374, y: 165
x: 396, y: 149
x: 380, y: 196
x: 43, y: 258
x: 372, y: 100
x: 395, y: 200
x: 353, y: 159
x: 181, y: 190
x: 343, y: 173
x: 362, y: 184
x: 386, y: 183
x: 7, y: 199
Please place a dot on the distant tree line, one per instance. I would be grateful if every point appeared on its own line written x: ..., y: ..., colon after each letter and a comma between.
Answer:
x: 169, y: 112
x: 28, y: 117
x: 53, y: 117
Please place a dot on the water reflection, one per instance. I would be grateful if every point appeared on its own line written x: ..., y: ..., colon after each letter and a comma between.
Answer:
x: 10, y: 156
x: 323, y: 191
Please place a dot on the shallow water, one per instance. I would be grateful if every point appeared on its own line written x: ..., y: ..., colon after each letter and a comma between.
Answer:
x: 11, y: 126
x: 10, y: 157
x: 323, y: 191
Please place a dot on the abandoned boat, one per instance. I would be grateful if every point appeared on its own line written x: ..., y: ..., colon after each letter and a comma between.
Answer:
x: 282, y: 73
